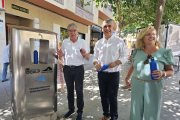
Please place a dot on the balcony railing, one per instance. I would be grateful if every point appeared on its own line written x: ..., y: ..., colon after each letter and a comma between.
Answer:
x: 84, y: 14
x: 84, y: 9
x: 85, y: 4
x: 60, y: 1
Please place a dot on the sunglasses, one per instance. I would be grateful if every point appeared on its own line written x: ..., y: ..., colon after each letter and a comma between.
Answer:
x: 147, y: 59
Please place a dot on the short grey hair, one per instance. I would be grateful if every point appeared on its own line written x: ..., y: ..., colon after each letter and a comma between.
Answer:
x: 108, y: 21
x: 72, y: 25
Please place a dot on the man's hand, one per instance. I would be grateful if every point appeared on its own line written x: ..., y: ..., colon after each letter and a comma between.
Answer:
x: 84, y: 54
x: 98, y: 67
x: 114, y: 64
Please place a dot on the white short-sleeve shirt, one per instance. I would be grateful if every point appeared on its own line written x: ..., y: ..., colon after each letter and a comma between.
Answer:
x: 72, y: 55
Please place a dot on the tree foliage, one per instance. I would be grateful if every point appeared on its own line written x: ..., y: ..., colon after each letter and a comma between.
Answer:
x: 132, y: 14
x: 172, y: 12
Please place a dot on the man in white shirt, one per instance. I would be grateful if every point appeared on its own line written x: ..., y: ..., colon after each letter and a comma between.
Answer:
x: 110, y: 51
x: 5, y: 61
x: 74, y: 52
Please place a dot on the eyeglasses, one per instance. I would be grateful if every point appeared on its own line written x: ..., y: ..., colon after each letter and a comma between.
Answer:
x: 72, y: 30
x: 147, y: 59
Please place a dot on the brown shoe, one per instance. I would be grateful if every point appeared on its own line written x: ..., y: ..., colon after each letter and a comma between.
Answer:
x: 105, y: 118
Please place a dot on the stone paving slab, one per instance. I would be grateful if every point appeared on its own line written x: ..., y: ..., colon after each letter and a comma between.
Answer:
x: 93, y: 110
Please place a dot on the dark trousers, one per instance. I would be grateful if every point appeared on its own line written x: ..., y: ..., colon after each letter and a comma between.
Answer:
x: 74, y: 76
x: 108, y: 86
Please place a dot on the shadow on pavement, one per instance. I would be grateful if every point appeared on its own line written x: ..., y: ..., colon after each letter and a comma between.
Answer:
x: 92, y: 110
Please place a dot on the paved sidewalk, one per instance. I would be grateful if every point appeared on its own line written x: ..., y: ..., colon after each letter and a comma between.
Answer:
x: 93, y: 110
x: 5, y: 101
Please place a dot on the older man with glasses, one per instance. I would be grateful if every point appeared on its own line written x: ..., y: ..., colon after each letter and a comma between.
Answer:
x: 74, y: 51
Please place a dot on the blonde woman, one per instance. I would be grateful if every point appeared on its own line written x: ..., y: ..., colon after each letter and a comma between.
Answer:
x: 145, y: 92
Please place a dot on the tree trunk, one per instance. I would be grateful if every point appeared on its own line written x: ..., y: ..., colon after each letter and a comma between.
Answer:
x: 119, y: 16
x: 159, y: 14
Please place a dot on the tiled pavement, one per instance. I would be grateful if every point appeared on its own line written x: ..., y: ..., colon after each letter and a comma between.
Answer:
x: 92, y: 110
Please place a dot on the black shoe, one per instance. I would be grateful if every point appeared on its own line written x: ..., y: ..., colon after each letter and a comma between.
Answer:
x: 79, y: 116
x: 5, y: 80
x: 68, y: 114
x: 114, y: 118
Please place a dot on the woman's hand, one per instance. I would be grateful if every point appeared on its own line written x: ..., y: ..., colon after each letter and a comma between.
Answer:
x: 127, y: 82
x: 158, y: 74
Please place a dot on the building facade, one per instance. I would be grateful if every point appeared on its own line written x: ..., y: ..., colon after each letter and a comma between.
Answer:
x: 53, y: 15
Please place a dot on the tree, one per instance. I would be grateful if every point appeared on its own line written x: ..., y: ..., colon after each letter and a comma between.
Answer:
x: 132, y: 14
x: 160, y: 11
x: 171, y: 12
